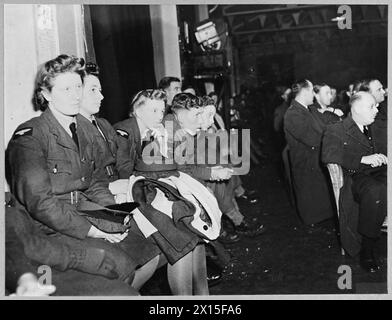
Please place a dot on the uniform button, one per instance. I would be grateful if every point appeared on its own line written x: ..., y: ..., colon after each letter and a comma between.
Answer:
x: 205, y: 227
x: 312, y: 148
x: 83, y: 179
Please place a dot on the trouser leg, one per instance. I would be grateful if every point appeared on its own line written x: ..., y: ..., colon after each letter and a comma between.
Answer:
x: 371, y: 195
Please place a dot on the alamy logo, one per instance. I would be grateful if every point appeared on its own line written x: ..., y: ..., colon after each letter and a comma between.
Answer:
x: 46, y: 277
x: 224, y: 147
x: 345, y: 281
x: 345, y: 20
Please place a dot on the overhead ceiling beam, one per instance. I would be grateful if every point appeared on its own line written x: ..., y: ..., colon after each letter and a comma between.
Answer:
x: 245, y: 44
x: 315, y: 26
x: 287, y: 9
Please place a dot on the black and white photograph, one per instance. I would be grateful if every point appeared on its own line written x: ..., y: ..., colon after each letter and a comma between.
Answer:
x: 214, y: 149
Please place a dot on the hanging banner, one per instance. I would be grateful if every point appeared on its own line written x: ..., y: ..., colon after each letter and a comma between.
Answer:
x: 381, y: 10
x: 296, y: 17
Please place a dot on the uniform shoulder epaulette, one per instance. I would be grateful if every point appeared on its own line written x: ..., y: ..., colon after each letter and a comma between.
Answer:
x: 28, y: 131
x: 122, y: 133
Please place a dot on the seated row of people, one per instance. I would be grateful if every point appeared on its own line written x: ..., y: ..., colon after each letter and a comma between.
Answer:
x: 55, y: 179
x: 74, y: 177
x: 317, y: 135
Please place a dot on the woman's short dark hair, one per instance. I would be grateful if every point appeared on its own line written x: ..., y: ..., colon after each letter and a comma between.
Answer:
x: 317, y: 87
x: 142, y: 96
x: 50, y: 70
x: 185, y: 100
x: 299, y: 85
x: 207, y: 101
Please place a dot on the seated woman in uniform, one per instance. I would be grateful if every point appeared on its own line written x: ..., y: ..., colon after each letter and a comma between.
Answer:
x: 105, y: 136
x: 190, y: 114
x: 54, y: 178
x: 175, y: 210
x: 102, y: 131
x: 321, y: 107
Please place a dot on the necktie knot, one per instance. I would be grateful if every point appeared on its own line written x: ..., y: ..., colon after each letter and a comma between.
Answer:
x: 72, y: 127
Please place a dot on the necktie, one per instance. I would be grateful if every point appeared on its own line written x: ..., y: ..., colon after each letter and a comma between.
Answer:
x: 72, y: 127
x: 366, y: 131
x: 149, y: 138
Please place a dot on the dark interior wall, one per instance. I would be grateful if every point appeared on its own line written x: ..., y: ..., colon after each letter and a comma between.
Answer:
x: 337, y: 64
x: 124, y: 52
x: 341, y: 65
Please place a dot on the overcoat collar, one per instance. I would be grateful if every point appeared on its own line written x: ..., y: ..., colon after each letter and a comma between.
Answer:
x: 352, y: 129
x: 318, y: 126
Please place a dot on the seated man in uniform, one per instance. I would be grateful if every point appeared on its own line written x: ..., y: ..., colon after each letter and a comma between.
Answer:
x: 349, y: 144
x: 379, y: 127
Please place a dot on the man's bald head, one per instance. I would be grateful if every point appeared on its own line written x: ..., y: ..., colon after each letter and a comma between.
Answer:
x: 363, y: 108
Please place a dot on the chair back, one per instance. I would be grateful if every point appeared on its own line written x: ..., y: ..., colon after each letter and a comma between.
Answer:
x: 336, y: 174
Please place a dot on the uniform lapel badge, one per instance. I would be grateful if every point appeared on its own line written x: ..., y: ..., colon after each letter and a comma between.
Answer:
x: 23, y: 132
x: 122, y: 133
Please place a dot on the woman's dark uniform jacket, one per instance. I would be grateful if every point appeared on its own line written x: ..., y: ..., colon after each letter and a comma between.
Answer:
x: 129, y: 146
x: 51, y: 179
x: 311, y: 182
x: 223, y: 190
x: 200, y: 172
x: 345, y: 144
x: 107, y: 158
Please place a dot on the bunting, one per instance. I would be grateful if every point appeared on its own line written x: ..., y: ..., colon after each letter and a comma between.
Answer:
x: 296, y: 16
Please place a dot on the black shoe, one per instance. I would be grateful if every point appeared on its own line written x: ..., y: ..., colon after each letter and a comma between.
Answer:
x: 214, y: 273
x: 250, y: 228
x: 368, y: 258
x: 228, y: 237
x: 369, y: 264
x: 249, y: 196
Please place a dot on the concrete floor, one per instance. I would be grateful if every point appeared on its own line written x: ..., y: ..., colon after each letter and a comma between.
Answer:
x: 288, y: 258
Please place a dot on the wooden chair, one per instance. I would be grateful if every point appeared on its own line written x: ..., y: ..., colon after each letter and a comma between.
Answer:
x: 336, y: 174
